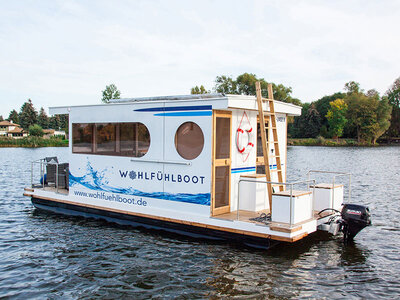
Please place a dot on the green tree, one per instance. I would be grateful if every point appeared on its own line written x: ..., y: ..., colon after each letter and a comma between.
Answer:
x: 322, y: 106
x: 245, y: 85
x: 43, y: 119
x: 55, y: 122
x: 35, y: 130
x: 383, y: 114
x: 368, y: 115
x: 110, y: 92
x: 393, y: 95
x: 28, y: 115
x: 13, y: 116
x: 225, y: 85
x: 1, y: 118
x: 64, y: 119
x: 337, y: 117
x: 199, y: 90
x: 352, y: 87
x: 308, y: 124
x: 312, y: 125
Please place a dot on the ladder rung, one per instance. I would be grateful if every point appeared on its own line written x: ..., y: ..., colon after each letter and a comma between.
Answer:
x: 271, y: 128
x: 276, y: 170
x: 273, y: 156
x: 277, y: 184
x: 272, y: 142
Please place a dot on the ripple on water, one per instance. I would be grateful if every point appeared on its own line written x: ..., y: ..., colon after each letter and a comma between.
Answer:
x: 50, y: 256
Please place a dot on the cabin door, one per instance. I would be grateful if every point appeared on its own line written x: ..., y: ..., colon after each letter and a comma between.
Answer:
x: 221, y: 168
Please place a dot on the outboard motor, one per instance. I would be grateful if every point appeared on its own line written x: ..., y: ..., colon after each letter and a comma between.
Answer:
x: 354, y: 219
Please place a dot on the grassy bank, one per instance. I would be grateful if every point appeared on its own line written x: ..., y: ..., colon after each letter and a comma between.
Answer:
x: 33, y: 142
x: 320, y: 141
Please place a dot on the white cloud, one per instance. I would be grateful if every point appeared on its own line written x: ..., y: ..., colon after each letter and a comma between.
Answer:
x: 67, y: 51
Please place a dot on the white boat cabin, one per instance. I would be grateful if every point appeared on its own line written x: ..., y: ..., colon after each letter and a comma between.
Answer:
x: 194, y: 160
x: 182, y: 154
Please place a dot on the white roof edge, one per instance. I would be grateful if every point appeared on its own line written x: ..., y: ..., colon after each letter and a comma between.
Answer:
x: 60, y: 110
x: 240, y: 103
x: 170, y: 98
x: 250, y: 97
x: 249, y: 102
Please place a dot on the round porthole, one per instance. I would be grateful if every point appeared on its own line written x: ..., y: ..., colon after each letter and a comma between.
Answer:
x: 189, y: 140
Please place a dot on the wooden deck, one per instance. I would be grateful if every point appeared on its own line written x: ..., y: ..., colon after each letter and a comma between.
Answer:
x: 244, y: 215
x: 52, y: 189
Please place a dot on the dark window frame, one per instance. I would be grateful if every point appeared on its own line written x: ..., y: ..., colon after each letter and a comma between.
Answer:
x: 141, y: 142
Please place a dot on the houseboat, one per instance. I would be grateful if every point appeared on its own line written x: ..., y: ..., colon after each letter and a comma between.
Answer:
x: 209, y: 166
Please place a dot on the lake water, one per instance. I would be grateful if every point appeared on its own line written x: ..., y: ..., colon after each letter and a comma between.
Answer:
x: 50, y: 256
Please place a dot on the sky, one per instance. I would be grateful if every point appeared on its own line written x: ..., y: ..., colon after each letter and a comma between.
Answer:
x: 65, y: 52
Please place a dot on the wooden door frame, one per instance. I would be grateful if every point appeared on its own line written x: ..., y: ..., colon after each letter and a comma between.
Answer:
x: 220, y: 162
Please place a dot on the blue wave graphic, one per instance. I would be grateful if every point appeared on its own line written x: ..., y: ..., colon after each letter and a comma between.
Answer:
x: 95, y: 180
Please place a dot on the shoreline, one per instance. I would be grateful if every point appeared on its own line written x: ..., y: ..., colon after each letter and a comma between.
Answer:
x: 32, y: 142
x: 333, y: 143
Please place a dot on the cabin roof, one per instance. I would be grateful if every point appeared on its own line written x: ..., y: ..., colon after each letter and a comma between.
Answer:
x: 7, y: 123
x: 16, y: 130
x: 168, y: 98
x: 225, y: 102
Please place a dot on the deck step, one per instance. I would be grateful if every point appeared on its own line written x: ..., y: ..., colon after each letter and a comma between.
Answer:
x: 285, y: 227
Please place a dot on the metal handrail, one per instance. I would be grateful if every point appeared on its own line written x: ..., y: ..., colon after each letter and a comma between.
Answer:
x: 42, y: 164
x: 338, y: 174
x: 291, y: 184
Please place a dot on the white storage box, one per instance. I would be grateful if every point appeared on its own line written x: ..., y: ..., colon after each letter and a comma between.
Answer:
x: 253, y: 195
x: 301, y: 207
x: 328, y: 197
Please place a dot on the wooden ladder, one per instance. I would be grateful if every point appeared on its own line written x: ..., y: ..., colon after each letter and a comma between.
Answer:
x: 274, y: 142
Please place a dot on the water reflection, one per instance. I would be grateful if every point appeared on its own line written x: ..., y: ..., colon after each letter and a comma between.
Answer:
x: 50, y: 256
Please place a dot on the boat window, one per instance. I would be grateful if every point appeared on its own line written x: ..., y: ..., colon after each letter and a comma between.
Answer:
x: 259, y: 143
x: 82, y: 138
x: 260, y: 157
x: 189, y: 140
x: 134, y: 139
x: 105, y: 138
x: 119, y: 139
x: 221, y: 186
x: 222, y: 138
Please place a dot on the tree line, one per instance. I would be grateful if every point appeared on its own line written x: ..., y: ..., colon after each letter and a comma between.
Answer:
x: 34, y: 122
x: 352, y: 113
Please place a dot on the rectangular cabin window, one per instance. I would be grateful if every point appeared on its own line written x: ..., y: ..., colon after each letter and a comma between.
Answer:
x: 117, y: 139
x: 127, y: 139
x: 134, y: 139
x: 82, y: 138
x: 106, y: 138
x: 222, y: 138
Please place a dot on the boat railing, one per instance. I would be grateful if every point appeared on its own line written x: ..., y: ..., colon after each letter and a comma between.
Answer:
x: 44, y: 165
x: 290, y: 184
x: 335, y: 175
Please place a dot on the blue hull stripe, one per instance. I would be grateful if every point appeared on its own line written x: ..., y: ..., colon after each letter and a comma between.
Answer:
x: 176, y: 108
x: 249, y: 169
x: 243, y: 170
x: 186, y: 114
